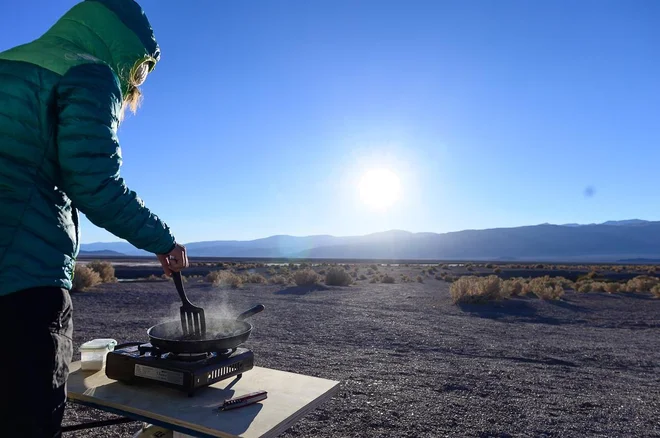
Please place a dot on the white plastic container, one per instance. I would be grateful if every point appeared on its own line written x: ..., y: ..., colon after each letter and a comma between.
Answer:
x: 93, y: 353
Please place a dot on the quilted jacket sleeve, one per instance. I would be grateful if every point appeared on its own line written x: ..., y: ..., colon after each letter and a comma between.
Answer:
x: 88, y: 103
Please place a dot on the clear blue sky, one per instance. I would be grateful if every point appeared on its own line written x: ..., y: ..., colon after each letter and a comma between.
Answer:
x: 262, y: 116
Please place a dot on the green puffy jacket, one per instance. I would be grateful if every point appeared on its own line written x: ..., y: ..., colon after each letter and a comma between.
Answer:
x: 60, y: 99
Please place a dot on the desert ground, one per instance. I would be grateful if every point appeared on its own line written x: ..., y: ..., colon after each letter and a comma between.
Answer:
x: 413, y: 364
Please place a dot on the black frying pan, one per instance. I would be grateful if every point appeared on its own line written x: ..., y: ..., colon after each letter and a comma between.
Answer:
x: 221, y: 334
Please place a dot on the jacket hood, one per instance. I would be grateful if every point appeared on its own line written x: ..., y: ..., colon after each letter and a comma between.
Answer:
x: 116, y: 32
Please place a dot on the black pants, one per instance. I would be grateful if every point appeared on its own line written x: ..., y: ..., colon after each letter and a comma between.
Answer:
x: 35, y: 353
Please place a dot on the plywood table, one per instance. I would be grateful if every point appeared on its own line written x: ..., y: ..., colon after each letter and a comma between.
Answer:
x: 290, y: 397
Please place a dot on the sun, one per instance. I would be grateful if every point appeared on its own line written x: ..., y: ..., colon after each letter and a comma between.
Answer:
x: 380, y: 188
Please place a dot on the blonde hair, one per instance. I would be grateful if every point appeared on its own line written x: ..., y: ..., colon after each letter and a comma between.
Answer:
x: 133, y: 97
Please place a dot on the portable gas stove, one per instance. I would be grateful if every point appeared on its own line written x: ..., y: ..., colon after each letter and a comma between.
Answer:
x: 137, y: 363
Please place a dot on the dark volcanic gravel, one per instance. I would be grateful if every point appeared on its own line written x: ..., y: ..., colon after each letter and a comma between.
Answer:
x: 414, y: 365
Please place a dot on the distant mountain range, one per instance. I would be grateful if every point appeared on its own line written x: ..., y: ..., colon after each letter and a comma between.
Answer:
x: 609, y: 241
x: 102, y: 252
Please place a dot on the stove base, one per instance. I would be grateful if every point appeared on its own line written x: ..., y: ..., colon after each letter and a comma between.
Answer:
x: 139, y: 364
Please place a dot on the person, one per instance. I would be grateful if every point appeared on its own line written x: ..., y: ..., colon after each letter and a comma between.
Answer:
x: 62, y: 98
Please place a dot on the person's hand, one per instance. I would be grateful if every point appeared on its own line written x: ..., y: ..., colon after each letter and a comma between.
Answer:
x: 174, y: 261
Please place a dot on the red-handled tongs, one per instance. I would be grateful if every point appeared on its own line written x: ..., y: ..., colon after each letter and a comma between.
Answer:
x: 243, y: 400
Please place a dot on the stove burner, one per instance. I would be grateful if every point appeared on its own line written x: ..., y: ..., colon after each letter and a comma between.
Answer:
x: 194, y: 357
x: 187, y: 357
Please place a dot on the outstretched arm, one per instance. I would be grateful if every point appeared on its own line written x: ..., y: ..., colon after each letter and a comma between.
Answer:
x: 88, y: 104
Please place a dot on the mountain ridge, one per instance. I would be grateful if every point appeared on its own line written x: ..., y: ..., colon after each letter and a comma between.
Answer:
x: 611, y: 240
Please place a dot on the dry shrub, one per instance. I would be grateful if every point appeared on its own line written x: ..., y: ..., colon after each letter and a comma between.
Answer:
x: 105, y: 270
x: 84, y: 278
x: 497, y: 271
x: 337, y: 276
x: 225, y: 279
x: 592, y: 274
x: 512, y: 287
x: 526, y: 288
x: 566, y: 283
x: 550, y: 292
x: 598, y: 286
x: 305, y: 277
x: 546, y: 288
x: 363, y: 277
x: 489, y: 266
x: 387, y: 279
x: 491, y: 287
x: 375, y: 279
x: 641, y: 283
x: 583, y: 287
x: 612, y: 288
x: 463, y: 290
x: 153, y: 277
x: 472, y: 289
x: 655, y: 290
x: 255, y: 278
x: 405, y: 279
x: 420, y: 279
x: 278, y: 279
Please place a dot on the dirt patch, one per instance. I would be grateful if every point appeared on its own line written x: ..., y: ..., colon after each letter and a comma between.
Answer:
x: 414, y: 365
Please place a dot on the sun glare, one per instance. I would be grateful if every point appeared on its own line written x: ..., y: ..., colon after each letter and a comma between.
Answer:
x: 380, y: 188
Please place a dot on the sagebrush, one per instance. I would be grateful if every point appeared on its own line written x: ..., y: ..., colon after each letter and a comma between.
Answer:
x: 546, y: 288
x: 656, y: 290
x: 337, y: 276
x: 305, y: 277
x: 224, y: 279
x: 472, y: 289
x: 85, y: 278
x: 254, y: 278
x: 105, y: 270
x: 387, y: 279
x: 279, y: 279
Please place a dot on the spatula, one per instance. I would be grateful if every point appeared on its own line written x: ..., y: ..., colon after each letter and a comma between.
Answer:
x: 192, y: 317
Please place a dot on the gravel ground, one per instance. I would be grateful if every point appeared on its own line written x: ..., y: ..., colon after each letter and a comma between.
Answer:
x: 414, y: 365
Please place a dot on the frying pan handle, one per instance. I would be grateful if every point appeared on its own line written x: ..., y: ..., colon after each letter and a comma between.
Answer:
x: 176, y: 276
x: 253, y: 311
